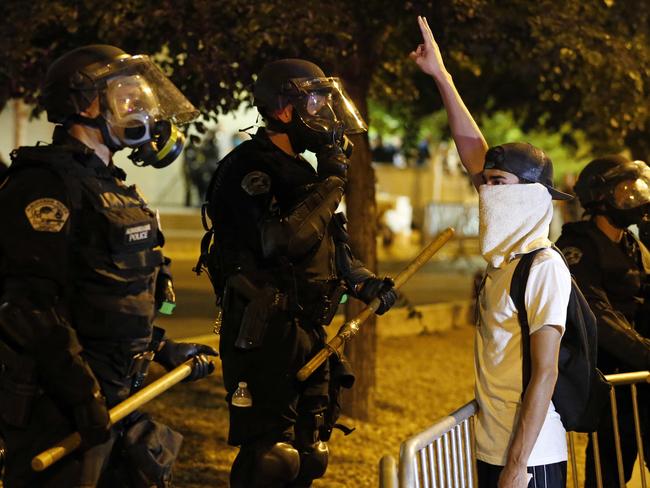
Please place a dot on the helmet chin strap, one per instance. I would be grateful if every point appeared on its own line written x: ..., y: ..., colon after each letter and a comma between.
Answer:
x: 100, y: 123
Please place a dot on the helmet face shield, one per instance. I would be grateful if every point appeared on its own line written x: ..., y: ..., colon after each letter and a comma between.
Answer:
x: 324, y: 106
x: 135, y: 85
x: 631, y: 194
x: 141, y: 108
x: 132, y: 108
x: 632, y: 185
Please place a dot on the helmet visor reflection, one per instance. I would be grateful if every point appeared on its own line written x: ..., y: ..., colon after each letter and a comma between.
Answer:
x: 135, y: 85
x: 324, y: 106
x: 630, y: 194
x: 130, y: 98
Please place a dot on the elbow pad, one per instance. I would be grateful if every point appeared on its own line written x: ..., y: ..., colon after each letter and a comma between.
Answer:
x: 351, y: 269
x: 624, y: 343
x: 297, y: 233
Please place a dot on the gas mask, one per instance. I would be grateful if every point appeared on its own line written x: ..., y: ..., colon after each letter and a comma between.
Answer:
x: 140, y: 109
x: 625, y: 218
x: 322, y: 114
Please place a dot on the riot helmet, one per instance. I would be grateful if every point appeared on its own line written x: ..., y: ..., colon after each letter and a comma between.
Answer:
x: 322, y: 111
x: 616, y: 187
x: 140, y: 107
x: 527, y: 162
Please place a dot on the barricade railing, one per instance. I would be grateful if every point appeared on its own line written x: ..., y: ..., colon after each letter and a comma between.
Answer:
x: 443, y: 456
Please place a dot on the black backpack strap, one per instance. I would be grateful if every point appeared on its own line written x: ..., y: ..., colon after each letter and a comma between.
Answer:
x: 518, y: 295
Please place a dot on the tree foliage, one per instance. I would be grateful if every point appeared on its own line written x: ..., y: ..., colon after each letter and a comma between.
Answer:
x: 551, y: 62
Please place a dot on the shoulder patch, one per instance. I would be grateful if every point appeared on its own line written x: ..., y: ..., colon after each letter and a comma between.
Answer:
x: 256, y: 183
x: 572, y: 254
x: 47, y: 215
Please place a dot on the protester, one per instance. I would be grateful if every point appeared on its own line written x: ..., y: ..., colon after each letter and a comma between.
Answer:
x: 82, y: 275
x: 612, y: 268
x: 280, y: 264
x: 519, y: 435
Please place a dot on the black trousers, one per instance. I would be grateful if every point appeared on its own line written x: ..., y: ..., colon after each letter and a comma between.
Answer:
x: 279, y: 399
x: 544, y: 476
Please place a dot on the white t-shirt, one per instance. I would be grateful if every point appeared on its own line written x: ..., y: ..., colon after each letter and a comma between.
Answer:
x: 498, y: 356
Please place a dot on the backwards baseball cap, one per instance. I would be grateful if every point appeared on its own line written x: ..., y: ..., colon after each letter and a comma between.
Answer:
x: 527, y: 162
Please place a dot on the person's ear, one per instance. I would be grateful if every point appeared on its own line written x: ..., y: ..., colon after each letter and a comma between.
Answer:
x: 284, y: 114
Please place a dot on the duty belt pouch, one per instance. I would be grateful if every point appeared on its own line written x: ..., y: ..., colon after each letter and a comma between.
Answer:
x: 341, y: 376
x: 18, y: 387
x: 151, y: 449
x: 321, y: 306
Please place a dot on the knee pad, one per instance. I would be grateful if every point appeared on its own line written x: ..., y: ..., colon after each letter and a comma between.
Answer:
x: 264, y: 465
x: 313, y: 463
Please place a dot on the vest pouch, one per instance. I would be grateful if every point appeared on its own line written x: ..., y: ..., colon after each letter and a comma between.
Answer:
x: 131, y: 229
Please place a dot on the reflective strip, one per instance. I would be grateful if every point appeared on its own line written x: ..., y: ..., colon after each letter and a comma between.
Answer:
x: 173, y: 138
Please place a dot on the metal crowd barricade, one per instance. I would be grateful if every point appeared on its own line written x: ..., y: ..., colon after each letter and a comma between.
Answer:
x: 443, y: 455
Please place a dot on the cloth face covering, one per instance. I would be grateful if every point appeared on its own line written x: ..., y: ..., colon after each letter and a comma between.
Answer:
x: 513, y: 219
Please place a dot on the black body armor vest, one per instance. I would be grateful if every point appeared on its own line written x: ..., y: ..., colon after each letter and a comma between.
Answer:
x: 113, y: 241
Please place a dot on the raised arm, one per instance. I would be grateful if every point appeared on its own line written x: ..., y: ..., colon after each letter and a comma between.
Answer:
x: 466, y: 134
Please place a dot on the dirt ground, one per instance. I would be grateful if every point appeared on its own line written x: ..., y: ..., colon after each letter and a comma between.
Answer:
x: 420, y: 378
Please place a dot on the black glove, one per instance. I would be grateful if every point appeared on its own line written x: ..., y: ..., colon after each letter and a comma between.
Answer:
x: 332, y: 162
x: 382, y: 288
x: 92, y: 421
x: 174, y: 354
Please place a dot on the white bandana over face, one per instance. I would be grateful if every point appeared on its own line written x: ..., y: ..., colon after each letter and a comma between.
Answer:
x: 513, y: 219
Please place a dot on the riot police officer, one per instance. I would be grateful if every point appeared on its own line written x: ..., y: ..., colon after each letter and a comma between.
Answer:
x: 611, y: 267
x: 82, y: 273
x: 280, y: 264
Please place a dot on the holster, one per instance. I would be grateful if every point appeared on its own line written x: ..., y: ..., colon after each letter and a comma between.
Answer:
x: 263, y: 303
x: 18, y: 386
x: 319, y: 302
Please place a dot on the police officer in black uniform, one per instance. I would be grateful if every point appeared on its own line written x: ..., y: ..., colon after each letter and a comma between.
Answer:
x: 280, y: 264
x: 82, y: 273
x: 612, y: 269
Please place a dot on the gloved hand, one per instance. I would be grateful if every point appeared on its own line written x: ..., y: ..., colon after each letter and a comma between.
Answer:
x: 382, y: 288
x: 332, y: 162
x: 92, y: 421
x: 173, y: 354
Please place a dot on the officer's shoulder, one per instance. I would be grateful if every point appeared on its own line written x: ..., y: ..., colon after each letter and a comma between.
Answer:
x: 38, y: 167
x: 56, y: 159
x: 576, y: 233
x: 249, y: 156
x: 577, y: 241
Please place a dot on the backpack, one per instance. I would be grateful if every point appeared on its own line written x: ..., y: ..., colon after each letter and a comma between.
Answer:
x: 581, y: 391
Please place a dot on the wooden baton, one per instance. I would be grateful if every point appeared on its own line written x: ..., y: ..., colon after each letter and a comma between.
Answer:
x: 351, y: 328
x: 50, y: 456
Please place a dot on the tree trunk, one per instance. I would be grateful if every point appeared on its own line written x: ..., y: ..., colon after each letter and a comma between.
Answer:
x: 361, y: 214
